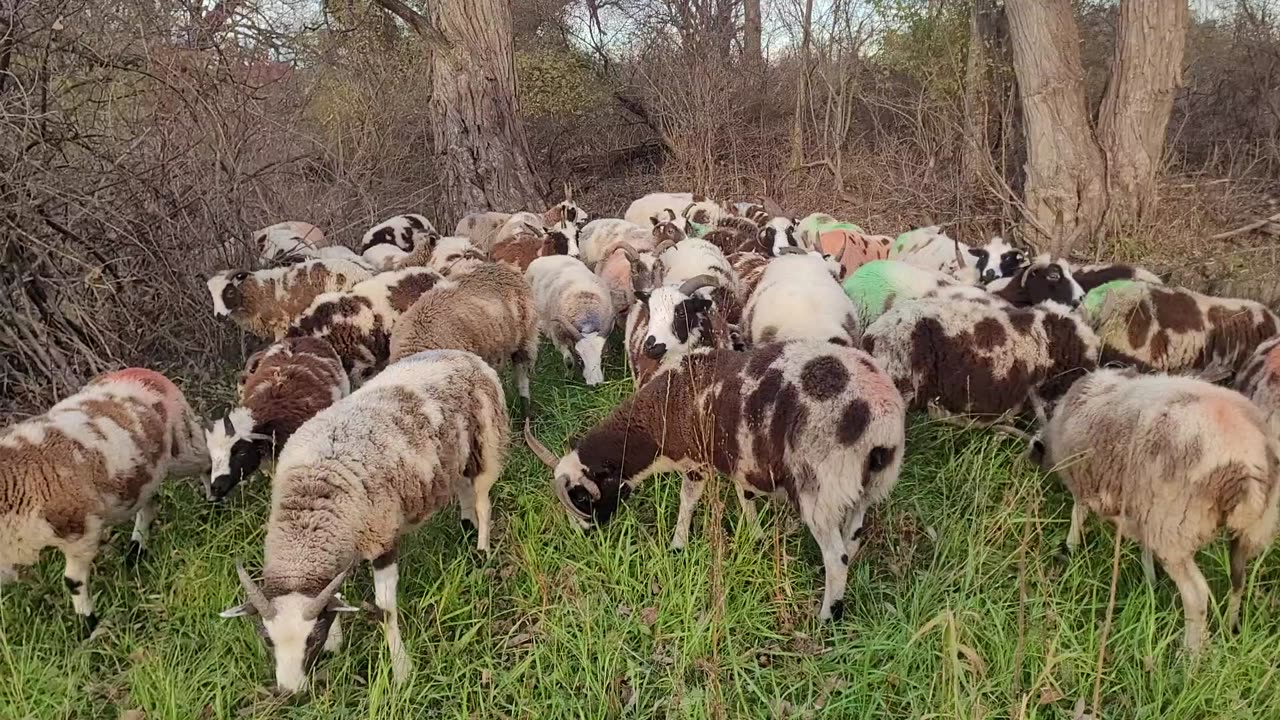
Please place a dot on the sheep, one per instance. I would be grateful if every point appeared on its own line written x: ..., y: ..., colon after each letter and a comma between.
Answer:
x: 642, y: 211
x: 736, y: 234
x: 92, y: 461
x: 358, y: 323
x: 749, y: 267
x: 931, y: 249
x: 1172, y: 329
x: 704, y: 214
x: 624, y: 271
x: 565, y: 211
x: 879, y: 285
x: 481, y: 228
x: 855, y: 249
x: 353, y: 481
x: 1169, y: 460
x: 813, y: 225
x: 980, y: 357
x: 288, y: 242
x: 283, y: 386
x: 1260, y: 381
x: 575, y: 311
x: 674, y: 314
x: 1043, y: 280
x: 764, y: 418
x: 440, y: 254
x: 701, y: 318
x: 487, y: 310
x: 1091, y: 276
x: 997, y: 259
x: 534, y: 242
x: 598, y: 235
x: 385, y: 256
x: 798, y: 298
x: 264, y: 302
x: 403, y: 231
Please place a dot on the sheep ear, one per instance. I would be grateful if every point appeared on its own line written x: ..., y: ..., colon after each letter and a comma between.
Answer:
x: 242, y: 610
x: 654, y: 220
x: 339, y: 604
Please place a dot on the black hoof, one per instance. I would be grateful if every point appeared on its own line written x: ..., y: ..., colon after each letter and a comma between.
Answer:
x: 90, y: 624
x: 845, y: 558
x: 134, y: 554
x: 468, y: 527
x: 837, y: 611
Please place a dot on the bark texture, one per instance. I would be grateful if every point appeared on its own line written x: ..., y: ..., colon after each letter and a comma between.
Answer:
x: 752, y: 52
x: 1146, y: 73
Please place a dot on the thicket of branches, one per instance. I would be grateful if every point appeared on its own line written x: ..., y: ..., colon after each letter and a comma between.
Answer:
x: 137, y: 137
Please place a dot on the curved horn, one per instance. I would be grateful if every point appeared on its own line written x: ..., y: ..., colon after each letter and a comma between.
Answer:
x: 663, y: 246
x: 537, y: 448
x: 568, y: 192
x: 696, y: 283
x: 254, y: 594
x: 959, y: 255
x: 792, y: 251
x: 844, y: 247
x: 622, y: 245
x: 313, y: 609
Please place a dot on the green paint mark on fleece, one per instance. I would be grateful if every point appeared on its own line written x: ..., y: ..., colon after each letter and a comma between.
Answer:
x: 1093, y: 299
x: 697, y: 231
x: 817, y: 226
x: 870, y: 286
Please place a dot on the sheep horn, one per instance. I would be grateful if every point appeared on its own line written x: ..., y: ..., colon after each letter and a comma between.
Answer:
x: 663, y: 246
x: 844, y: 247
x: 537, y: 448
x: 959, y: 255
x: 622, y: 245
x: 771, y: 206
x: 792, y: 251
x: 317, y: 605
x: 696, y: 283
x: 568, y: 192
x: 254, y: 594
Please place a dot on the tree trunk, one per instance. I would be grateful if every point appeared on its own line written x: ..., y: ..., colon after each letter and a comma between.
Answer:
x: 978, y: 91
x: 802, y: 90
x: 1146, y: 73
x: 1065, y: 192
x: 751, y: 34
x: 480, y: 141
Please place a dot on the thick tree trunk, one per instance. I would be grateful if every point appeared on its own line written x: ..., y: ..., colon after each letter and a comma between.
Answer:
x: 978, y: 90
x: 751, y: 33
x: 1146, y: 73
x: 480, y: 141
x: 1065, y: 192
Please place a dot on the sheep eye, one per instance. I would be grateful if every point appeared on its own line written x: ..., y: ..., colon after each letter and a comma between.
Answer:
x: 1054, y: 277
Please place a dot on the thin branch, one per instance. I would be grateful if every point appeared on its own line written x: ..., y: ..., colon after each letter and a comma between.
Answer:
x: 418, y: 23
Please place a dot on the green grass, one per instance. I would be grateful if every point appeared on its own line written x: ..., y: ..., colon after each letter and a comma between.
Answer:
x: 562, y: 624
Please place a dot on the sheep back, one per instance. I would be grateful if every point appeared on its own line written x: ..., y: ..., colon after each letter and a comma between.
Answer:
x: 289, y: 382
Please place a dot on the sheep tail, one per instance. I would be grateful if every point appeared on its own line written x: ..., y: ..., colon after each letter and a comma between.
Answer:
x: 1254, y: 517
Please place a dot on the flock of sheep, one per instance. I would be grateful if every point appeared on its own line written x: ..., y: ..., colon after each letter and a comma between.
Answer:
x: 781, y: 354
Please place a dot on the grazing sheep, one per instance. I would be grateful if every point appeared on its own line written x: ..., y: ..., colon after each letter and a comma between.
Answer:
x: 481, y: 228
x: 642, y: 211
x: 358, y: 323
x: 576, y: 312
x: 288, y: 242
x: 264, y: 302
x: 1171, y: 329
x: 357, y: 478
x: 403, y: 231
x: 1091, y: 276
x: 818, y: 423
x: 283, y: 386
x: 534, y: 242
x: 1260, y: 381
x: 1170, y: 461
x: 92, y: 461
x: 599, y: 235
x: 798, y: 298
x: 1043, y: 280
x: 699, y: 312
x: 980, y: 357
x: 487, y: 310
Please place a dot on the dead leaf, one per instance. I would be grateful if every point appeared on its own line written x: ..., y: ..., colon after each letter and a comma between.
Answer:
x: 137, y: 656
x: 206, y: 712
x: 1148, y: 663
x: 624, y: 611
x: 133, y: 715
x: 1078, y: 713
x: 655, y: 588
x: 486, y: 676
x: 649, y: 615
x: 1049, y: 695
x: 519, y: 639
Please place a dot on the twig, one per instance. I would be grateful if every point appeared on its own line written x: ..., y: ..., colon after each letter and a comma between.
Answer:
x: 1106, y: 624
x: 1246, y: 228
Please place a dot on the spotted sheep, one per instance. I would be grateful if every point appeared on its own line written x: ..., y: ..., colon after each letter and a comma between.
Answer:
x: 534, y: 242
x: 980, y: 357
x: 704, y: 214
x: 441, y: 254
x: 880, y: 285
x: 736, y: 234
x: 264, y: 302
x: 288, y: 242
x: 749, y: 267
x: 283, y: 386
x: 931, y: 249
x: 575, y: 311
x: 484, y: 308
x: 1091, y: 276
x: 1045, y: 279
x: 565, y: 211
x: 817, y: 423
x: 92, y: 461
x: 481, y: 228
x: 599, y: 236
x: 621, y: 254
x: 357, y: 478
x: 402, y: 231
x: 799, y: 298
x: 358, y: 323
x: 1169, y: 461
x: 1172, y: 329
x: 1260, y: 382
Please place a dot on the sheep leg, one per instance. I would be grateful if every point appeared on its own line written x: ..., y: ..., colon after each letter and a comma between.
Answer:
x: 463, y: 489
x: 1076, y: 533
x: 690, y: 492
x: 333, y: 643
x: 522, y: 363
x: 750, y: 515
x: 480, y: 484
x: 1240, y: 554
x: 386, y: 574
x: 854, y: 529
x: 1195, y: 599
x: 137, y: 540
x: 1148, y: 567
x: 835, y: 560
x: 79, y: 559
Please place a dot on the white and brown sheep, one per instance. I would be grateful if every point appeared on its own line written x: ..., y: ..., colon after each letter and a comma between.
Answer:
x: 1260, y: 381
x: 94, y: 460
x: 1091, y: 276
x: 283, y: 386
x: 575, y: 310
x: 288, y: 242
x: 264, y: 302
x: 482, y: 228
x: 1169, y: 461
x: 817, y: 423
x: 403, y: 231
x: 533, y: 242
x: 357, y: 478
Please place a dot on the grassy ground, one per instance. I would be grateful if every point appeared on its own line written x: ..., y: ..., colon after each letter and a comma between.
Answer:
x: 560, y: 624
